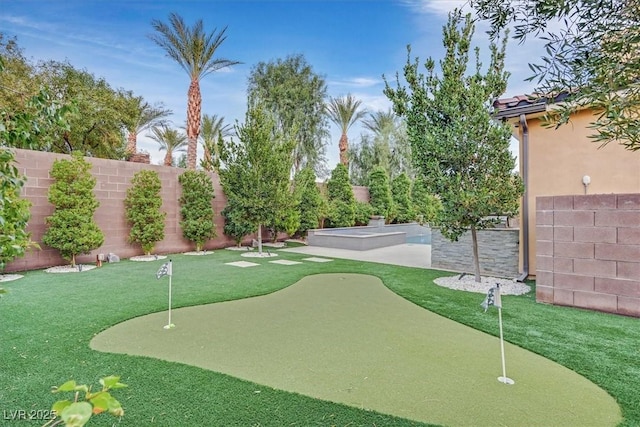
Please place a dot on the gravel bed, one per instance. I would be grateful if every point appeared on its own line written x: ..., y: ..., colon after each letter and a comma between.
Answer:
x: 79, y: 268
x: 146, y: 258
x: 468, y: 283
x: 10, y: 277
x: 198, y: 253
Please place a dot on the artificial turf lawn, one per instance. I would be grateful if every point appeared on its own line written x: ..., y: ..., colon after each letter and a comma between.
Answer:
x: 48, y: 321
x: 347, y: 338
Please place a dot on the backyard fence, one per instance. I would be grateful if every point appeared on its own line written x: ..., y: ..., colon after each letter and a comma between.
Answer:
x: 113, y: 178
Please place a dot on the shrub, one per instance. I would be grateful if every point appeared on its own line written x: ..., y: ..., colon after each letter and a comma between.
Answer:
x: 236, y: 225
x: 72, y: 229
x: 401, y: 193
x: 426, y: 206
x: 363, y: 213
x: 380, y: 193
x: 195, y: 207
x: 310, y: 199
x: 14, y: 212
x: 341, y: 201
x: 143, y: 213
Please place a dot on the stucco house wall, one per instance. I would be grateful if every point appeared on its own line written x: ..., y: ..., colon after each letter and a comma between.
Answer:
x: 558, y: 159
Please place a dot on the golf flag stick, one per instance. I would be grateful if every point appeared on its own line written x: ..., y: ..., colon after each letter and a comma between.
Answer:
x: 504, y: 378
x: 494, y: 298
x: 167, y: 270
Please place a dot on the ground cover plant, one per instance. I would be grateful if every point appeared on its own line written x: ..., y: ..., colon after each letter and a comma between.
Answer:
x: 45, y: 344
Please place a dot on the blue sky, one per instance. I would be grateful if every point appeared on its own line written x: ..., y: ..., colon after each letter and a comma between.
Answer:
x: 352, y: 43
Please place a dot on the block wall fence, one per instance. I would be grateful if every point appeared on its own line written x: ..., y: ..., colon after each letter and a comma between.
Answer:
x: 113, y: 178
x: 588, y: 252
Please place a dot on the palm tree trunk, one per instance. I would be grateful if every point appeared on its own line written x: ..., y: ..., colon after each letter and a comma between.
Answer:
x: 344, y: 146
x: 168, y: 158
x: 208, y: 164
x: 194, y: 109
x: 132, y: 142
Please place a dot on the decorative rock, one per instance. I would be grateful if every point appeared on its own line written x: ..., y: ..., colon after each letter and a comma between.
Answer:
x: 113, y: 257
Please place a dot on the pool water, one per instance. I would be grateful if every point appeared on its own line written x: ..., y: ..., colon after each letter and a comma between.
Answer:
x: 421, y: 239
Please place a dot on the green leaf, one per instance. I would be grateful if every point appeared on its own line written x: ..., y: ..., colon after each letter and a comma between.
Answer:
x: 77, y: 414
x: 111, y: 382
x: 68, y: 386
x: 60, y: 405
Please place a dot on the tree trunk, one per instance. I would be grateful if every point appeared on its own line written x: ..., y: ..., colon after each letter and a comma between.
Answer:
x: 73, y: 260
x: 194, y: 108
x: 260, y: 239
x: 344, y: 146
x: 132, y: 142
x: 208, y: 164
x: 476, y: 260
x: 168, y: 158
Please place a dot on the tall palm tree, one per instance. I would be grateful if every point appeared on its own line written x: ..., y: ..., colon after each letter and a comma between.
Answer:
x: 145, y: 116
x: 193, y: 49
x: 213, y: 130
x: 345, y: 112
x: 170, y: 140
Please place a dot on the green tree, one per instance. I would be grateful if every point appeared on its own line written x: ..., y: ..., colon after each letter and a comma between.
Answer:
x: 14, y: 211
x: 194, y: 50
x: 97, y: 125
x: 71, y: 228
x: 19, y: 79
x: 213, y: 133
x: 591, y: 58
x: 345, y: 112
x: 380, y: 193
x: 256, y: 169
x: 310, y: 199
x: 426, y: 206
x: 294, y: 94
x: 391, y: 148
x: 362, y: 160
x: 144, y: 116
x: 463, y: 154
x: 142, y: 206
x: 364, y: 211
x: 195, y: 207
x: 341, y: 202
x: 401, y: 194
x: 170, y: 140
x: 236, y: 224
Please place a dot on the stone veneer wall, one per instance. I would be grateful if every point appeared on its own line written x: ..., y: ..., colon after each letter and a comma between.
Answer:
x: 113, y: 178
x: 588, y: 252
x: 497, y: 248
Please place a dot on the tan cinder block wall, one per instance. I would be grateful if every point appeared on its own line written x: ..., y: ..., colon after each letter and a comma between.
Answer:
x: 113, y: 178
x: 588, y: 252
x: 559, y: 158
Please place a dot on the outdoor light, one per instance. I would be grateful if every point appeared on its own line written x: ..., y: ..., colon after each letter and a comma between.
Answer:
x: 586, y: 180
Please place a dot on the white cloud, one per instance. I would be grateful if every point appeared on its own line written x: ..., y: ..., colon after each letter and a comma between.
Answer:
x: 356, y: 82
x: 438, y: 7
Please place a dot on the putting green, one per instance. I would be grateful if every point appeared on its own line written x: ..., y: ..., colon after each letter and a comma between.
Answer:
x: 347, y: 338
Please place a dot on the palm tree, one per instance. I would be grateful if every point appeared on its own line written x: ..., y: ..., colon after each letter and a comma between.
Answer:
x: 193, y: 49
x: 145, y: 116
x: 213, y: 130
x: 170, y: 140
x: 344, y: 112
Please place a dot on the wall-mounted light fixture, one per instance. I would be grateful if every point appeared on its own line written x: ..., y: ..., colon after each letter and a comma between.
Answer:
x: 586, y: 180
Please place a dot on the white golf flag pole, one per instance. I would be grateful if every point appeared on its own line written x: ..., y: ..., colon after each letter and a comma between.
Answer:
x: 494, y: 298
x: 498, y: 303
x: 167, y: 270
